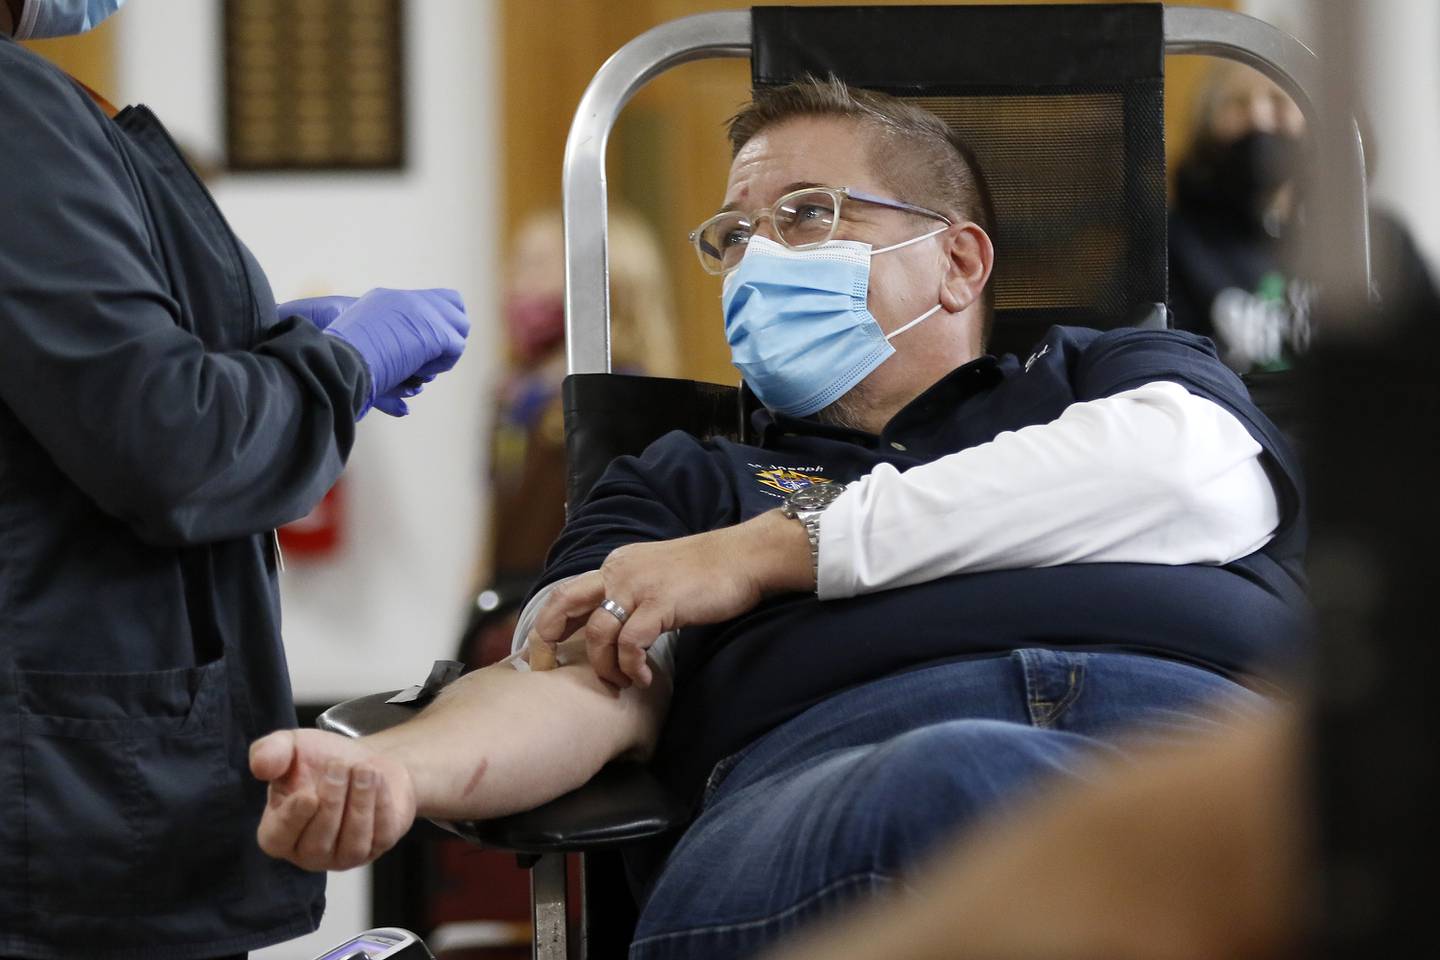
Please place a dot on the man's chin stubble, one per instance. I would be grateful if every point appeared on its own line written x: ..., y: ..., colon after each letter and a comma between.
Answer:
x: 846, y: 412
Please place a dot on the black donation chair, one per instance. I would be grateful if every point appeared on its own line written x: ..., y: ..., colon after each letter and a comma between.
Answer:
x: 1063, y: 106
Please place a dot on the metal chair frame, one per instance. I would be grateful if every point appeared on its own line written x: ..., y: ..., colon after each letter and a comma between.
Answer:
x: 1188, y: 30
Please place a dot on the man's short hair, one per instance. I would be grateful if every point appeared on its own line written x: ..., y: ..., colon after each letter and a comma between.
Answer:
x: 940, y: 171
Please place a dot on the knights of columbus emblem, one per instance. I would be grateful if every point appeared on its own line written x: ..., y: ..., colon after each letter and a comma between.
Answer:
x: 786, y: 480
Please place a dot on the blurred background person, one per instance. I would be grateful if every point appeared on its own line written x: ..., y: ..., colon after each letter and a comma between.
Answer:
x: 1237, y: 215
x: 527, y: 451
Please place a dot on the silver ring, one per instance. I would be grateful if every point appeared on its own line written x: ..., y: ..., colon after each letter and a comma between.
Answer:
x: 615, y: 610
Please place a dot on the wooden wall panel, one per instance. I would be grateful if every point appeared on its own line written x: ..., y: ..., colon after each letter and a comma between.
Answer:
x: 89, y: 58
x: 668, y: 156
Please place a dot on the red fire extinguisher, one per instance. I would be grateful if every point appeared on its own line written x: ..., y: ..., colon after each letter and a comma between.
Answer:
x: 317, y: 534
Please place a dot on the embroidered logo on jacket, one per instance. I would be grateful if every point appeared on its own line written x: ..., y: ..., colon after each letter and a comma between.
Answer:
x: 787, y: 479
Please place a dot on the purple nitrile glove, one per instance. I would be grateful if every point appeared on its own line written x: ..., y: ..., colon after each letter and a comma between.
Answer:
x: 394, y: 403
x: 321, y: 311
x: 407, y: 337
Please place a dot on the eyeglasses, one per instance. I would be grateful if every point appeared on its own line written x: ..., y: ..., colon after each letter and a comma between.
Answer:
x: 803, y: 218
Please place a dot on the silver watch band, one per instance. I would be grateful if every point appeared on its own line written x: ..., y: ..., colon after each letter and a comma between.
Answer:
x: 810, y: 520
x: 806, y: 504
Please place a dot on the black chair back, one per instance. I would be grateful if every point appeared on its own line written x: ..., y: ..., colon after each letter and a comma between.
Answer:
x: 1063, y: 106
x: 608, y: 415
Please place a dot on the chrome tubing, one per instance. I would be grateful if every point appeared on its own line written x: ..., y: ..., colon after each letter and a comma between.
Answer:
x: 587, y: 269
x: 1187, y: 30
x: 1295, y: 67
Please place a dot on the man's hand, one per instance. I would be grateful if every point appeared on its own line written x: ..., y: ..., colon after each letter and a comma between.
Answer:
x: 706, y: 578
x: 335, y: 803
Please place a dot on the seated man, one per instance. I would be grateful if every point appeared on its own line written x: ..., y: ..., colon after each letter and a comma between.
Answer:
x: 1031, y: 567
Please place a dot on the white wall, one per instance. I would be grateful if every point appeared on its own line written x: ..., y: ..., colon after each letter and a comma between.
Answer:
x: 375, y: 615
x: 1401, y: 83
x: 391, y: 600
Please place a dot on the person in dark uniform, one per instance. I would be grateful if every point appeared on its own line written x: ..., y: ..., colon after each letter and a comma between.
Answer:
x: 1238, y: 209
x: 159, y: 417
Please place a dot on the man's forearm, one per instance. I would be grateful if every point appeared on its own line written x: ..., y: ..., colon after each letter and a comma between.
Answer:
x: 499, y: 740
x: 781, y: 552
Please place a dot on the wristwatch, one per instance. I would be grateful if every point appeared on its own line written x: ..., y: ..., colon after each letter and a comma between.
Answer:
x: 806, y: 504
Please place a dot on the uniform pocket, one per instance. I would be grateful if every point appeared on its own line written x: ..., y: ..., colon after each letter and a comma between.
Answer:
x: 130, y: 801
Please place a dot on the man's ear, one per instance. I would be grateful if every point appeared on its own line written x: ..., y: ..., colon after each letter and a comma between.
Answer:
x: 970, y: 255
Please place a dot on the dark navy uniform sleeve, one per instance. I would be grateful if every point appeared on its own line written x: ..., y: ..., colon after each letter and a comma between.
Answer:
x: 184, y: 443
x: 675, y: 489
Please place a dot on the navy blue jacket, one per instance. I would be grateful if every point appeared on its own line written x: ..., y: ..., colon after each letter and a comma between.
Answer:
x: 736, y: 680
x: 156, y: 423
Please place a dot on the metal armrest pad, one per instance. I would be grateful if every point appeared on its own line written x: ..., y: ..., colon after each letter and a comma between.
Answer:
x: 365, y: 715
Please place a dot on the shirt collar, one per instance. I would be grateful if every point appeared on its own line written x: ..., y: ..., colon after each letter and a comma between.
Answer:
x: 942, y: 397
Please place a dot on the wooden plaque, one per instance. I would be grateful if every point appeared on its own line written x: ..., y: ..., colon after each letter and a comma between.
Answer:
x: 314, y: 84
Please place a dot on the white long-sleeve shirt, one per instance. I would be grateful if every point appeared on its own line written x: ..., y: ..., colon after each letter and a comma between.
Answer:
x: 1151, y: 475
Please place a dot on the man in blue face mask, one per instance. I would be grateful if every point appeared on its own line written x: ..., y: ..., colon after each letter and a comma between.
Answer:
x: 820, y: 282
x: 938, y: 579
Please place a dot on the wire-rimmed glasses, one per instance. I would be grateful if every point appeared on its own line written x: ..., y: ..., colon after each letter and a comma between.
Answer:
x: 801, y: 219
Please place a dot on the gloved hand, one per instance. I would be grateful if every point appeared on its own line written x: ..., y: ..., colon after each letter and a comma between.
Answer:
x: 321, y: 311
x: 406, y: 338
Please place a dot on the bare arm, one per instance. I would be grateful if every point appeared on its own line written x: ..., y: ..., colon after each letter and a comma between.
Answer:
x: 499, y: 740
x: 496, y: 741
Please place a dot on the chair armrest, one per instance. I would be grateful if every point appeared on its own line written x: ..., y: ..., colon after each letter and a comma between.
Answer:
x: 621, y: 804
x: 363, y: 716
x: 1151, y: 316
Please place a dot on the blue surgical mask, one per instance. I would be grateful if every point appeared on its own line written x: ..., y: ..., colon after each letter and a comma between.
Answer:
x: 62, y: 18
x: 798, y: 325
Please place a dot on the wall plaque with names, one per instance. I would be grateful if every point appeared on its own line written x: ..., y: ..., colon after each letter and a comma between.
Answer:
x: 314, y: 84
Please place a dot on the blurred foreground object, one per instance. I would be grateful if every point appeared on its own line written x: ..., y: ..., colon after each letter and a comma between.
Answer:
x: 1183, y: 855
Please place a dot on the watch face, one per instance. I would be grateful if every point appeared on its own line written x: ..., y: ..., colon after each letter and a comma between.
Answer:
x: 816, y: 496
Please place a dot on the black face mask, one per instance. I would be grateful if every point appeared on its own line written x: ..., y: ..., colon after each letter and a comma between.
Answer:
x: 1239, y: 178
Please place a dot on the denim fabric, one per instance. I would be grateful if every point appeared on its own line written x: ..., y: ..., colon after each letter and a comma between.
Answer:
x: 837, y: 803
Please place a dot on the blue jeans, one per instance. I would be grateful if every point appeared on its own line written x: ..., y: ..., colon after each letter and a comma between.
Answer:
x: 837, y: 803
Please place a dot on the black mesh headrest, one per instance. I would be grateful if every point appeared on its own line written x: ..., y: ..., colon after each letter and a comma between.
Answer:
x: 1063, y: 105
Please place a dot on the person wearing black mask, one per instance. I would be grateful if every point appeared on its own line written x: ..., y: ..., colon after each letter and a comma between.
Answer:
x: 1238, y: 208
